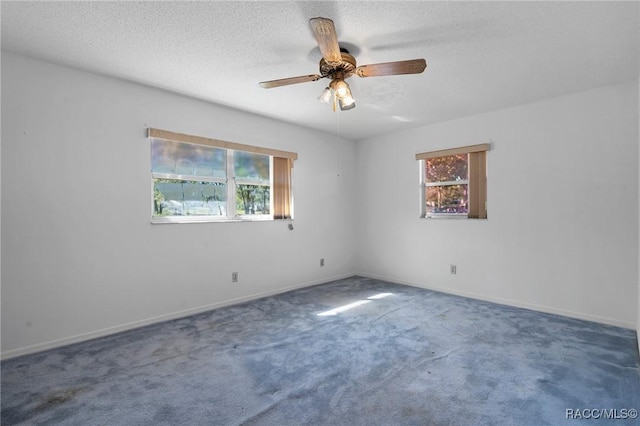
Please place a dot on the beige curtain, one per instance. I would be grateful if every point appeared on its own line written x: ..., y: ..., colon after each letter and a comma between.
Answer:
x: 282, y: 173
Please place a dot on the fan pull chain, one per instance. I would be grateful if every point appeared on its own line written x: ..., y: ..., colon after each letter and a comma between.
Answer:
x: 337, y: 139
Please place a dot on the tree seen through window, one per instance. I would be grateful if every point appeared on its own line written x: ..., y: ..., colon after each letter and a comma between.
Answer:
x: 446, y: 184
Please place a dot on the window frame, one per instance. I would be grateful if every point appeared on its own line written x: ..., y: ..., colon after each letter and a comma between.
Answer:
x: 476, y: 181
x: 232, y: 186
x: 230, y: 180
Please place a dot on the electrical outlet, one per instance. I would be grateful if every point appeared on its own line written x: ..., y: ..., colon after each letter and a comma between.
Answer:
x: 453, y: 269
x: 322, y: 262
x: 234, y: 277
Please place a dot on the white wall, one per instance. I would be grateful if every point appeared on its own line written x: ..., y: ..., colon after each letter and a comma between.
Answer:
x: 562, y: 232
x: 79, y: 255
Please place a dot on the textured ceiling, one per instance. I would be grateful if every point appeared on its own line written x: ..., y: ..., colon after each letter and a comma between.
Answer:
x: 481, y: 56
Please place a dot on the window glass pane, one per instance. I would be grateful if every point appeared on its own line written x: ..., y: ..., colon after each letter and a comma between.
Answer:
x: 180, y: 158
x: 253, y: 199
x: 249, y: 166
x: 188, y: 198
x: 444, y: 169
x: 451, y: 199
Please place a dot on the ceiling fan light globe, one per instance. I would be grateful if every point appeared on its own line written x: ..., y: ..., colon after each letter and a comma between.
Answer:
x: 347, y: 100
x: 347, y: 103
x: 342, y: 88
x: 325, y: 96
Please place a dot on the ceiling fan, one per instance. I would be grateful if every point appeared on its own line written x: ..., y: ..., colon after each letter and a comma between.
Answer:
x: 337, y: 65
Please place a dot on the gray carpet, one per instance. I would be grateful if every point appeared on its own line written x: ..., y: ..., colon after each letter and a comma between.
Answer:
x: 410, y: 357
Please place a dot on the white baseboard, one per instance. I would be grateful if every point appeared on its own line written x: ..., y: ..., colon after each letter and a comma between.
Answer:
x: 509, y: 302
x: 148, y: 321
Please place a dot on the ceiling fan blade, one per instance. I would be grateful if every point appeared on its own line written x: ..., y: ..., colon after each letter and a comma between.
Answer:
x: 412, y: 66
x: 291, y: 80
x: 327, y: 38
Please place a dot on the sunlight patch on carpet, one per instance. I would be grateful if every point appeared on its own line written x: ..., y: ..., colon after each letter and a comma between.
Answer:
x: 339, y: 309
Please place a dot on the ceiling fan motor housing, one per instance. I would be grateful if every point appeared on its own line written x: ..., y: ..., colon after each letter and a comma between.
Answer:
x: 341, y: 69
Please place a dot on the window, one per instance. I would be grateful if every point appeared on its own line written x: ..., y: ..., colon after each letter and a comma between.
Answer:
x: 197, y: 179
x: 454, y: 182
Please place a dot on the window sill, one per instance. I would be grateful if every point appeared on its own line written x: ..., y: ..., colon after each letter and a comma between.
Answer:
x: 452, y: 217
x: 208, y: 219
